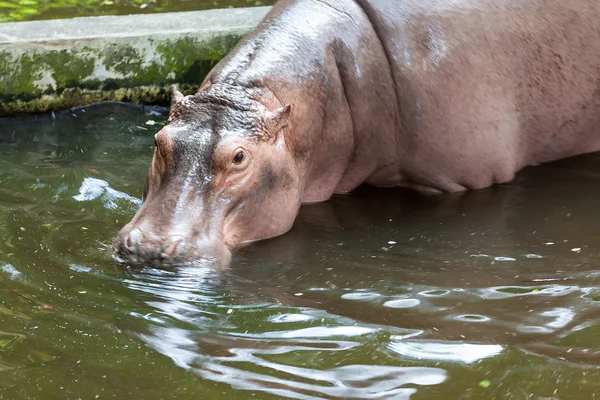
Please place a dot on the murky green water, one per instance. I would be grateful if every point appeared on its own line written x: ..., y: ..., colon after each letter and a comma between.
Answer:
x: 26, y: 10
x: 382, y: 294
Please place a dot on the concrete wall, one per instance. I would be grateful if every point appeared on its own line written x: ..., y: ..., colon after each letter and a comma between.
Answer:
x: 59, y: 64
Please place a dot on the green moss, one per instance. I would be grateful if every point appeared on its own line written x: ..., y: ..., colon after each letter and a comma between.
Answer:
x: 19, y: 73
x: 125, y: 59
x: 186, y: 60
x: 74, y: 97
x: 49, y: 79
x: 67, y: 68
x: 186, y: 63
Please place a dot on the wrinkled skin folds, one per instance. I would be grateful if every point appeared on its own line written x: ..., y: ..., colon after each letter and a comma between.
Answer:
x: 325, y: 95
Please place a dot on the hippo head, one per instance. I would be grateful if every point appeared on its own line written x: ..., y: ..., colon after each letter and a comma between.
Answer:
x: 221, y: 176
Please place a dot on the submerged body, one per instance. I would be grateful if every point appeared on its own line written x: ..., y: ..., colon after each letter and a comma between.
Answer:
x: 324, y: 95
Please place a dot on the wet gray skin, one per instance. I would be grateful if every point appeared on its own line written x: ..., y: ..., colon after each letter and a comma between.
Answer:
x: 492, y: 294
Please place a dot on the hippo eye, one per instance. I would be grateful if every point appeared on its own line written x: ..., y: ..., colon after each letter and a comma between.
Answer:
x: 238, y: 158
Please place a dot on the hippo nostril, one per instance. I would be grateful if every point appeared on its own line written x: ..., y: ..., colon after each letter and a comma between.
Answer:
x: 133, y: 239
x: 170, y: 249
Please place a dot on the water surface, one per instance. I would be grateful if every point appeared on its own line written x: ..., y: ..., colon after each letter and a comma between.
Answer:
x: 382, y: 294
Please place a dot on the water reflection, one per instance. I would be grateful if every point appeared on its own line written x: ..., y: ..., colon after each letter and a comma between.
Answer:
x: 344, y: 382
x: 382, y: 294
x: 265, y: 362
x: 202, y: 331
x: 445, y: 351
x: 350, y: 304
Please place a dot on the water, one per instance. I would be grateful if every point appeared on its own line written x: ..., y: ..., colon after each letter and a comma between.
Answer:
x: 382, y: 294
x: 26, y: 10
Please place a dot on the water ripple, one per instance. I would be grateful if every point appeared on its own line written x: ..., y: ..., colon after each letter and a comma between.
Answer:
x: 445, y: 351
x: 402, y: 303
x: 376, y: 382
x: 500, y: 292
x: 360, y: 296
x: 93, y: 188
x: 11, y: 271
x: 273, y: 374
x: 315, y: 332
x: 286, y: 318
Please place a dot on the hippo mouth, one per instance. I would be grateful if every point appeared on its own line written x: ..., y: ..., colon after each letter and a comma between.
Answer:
x: 166, y: 264
x: 135, y: 261
x: 134, y: 249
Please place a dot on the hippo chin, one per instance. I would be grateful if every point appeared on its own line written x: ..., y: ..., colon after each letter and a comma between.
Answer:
x: 325, y: 95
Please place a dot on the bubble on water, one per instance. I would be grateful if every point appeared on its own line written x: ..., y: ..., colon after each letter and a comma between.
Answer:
x: 434, y: 293
x: 533, y: 256
x: 360, y: 296
x: 93, y: 188
x: 402, y: 303
x: 504, y: 259
x: 472, y: 318
x: 512, y: 291
x: 533, y: 329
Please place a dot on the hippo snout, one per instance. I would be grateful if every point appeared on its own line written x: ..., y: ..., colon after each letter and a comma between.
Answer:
x: 136, y: 244
x: 139, y: 246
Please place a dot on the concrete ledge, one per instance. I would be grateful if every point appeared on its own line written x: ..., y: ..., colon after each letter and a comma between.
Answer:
x: 59, y: 64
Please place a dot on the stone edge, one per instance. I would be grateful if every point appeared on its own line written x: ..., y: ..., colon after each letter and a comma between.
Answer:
x: 59, y: 64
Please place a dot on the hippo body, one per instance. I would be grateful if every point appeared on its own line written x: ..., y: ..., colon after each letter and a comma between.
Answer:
x: 324, y: 95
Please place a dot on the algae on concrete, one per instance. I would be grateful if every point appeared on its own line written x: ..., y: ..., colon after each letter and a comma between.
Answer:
x: 59, y: 64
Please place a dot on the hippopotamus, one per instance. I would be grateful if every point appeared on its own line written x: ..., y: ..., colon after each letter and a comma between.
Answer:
x: 322, y: 96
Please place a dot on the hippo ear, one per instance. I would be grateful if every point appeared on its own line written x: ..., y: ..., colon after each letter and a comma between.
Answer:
x: 176, y: 96
x: 277, y: 120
